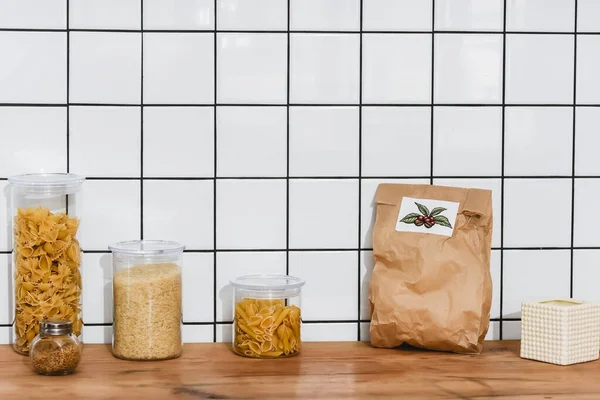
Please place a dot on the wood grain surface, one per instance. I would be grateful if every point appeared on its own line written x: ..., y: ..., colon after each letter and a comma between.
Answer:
x: 338, y: 370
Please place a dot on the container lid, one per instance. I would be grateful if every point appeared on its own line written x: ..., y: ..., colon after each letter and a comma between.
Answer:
x: 268, y: 282
x: 46, y: 180
x: 147, y: 247
x: 56, y: 327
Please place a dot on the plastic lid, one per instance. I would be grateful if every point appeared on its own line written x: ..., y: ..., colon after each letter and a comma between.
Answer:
x: 46, y: 180
x: 147, y: 247
x: 268, y: 282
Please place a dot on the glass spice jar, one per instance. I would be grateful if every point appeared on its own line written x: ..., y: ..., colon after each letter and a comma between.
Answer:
x: 55, y: 350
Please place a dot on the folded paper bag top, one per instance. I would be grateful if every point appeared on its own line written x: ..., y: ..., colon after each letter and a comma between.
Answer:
x: 431, y: 285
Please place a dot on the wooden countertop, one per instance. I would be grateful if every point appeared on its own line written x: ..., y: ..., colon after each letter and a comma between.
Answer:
x: 323, y: 371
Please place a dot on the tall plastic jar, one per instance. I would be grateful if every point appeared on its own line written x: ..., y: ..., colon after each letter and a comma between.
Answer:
x: 46, y: 251
x: 147, y: 318
x: 267, y: 318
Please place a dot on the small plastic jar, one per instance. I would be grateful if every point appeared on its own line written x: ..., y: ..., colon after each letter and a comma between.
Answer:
x: 267, y: 319
x: 47, y: 255
x: 55, y: 350
x: 147, y: 300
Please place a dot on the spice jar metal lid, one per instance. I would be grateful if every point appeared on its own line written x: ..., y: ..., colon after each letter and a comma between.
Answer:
x: 56, y: 327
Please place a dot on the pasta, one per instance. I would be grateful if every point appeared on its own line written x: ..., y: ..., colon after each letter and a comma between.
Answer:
x: 266, y: 328
x: 47, y: 276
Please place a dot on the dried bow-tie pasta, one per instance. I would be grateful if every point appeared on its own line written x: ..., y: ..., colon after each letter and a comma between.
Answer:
x: 266, y: 328
x: 47, y: 275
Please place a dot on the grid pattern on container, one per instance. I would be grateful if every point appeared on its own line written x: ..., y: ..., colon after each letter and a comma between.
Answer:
x: 431, y: 105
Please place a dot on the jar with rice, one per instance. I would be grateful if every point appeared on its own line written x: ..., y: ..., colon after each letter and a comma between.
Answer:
x: 147, y: 317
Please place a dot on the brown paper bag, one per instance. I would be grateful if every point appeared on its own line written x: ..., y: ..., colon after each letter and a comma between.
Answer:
x: 431, y: 285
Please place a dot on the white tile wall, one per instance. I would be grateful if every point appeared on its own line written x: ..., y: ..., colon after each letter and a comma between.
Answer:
x: 257, y: 131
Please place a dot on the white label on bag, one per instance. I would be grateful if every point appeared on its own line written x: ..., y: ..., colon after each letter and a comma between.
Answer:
x: 427, y: 216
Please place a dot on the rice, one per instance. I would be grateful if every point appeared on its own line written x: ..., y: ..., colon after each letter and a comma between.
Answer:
x: 147, y: 312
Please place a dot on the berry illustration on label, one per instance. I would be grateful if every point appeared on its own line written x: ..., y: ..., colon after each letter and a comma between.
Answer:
x: 427, y: 218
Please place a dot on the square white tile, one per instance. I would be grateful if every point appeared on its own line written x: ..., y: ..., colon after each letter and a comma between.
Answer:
x: 493, y: 331
x: 251, y: 214
x: 586, y: 232
x: 368, y: 207
x: 331, y: 291
x: 179, y: 68
x: 329, y: 332
x: 325, y: 15
x: 105, y: 14
x: 267, y: 15
x: 365, y: 335
x: 6, y: 290
x: 323, y: 214
x: 588, y: 64
x: 33, y: 140
x: 5, y: 335
x: 197, y: 333
x: 467, y: 141
x: 252, y: 141
x: 523, y: 272
x: 386, y: 131
x: 540, y: 15
x: 231, y: 265
x: 34, y: 68
x: 468, y: 68
x: 179, y: 141
x: 34, y: 14
x: 252, y: 68
x: 586, y: 273
x: 111, y: 213
x: 396, y: 68
x: 97, y: 298
x: 537, y: 213
x: 224, y: 333
x: 97, y: 334
x: 367, y: 262
x: 534, y: 135
x: 469, y: 15
x: 197, y: 286
x: 6, y: 229
x: 324, y: 141
x: 97, y: 134
x: 587, y: 120
x: 324, y: 68
x: 539, y: 69
x: 179, y: 14
x: 588, y: 16
x: 397, y: 15
x: 181, y: 211
x: 495, y: 185
x: 105, y: 67
x: 511, y: 330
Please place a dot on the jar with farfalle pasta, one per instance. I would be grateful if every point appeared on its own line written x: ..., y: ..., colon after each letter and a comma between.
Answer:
x: 47, y: 255
x: 267, y: 318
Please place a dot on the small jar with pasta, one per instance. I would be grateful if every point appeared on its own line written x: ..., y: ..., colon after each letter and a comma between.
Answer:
x: 267, y: 318
x: 47, y: 254
x: 147, y: 299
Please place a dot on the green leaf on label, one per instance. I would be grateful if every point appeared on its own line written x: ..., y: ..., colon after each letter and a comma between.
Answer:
x: 422, y: 209
x: 410, y: 218
x: 436, y: 211
x: 443, y: 221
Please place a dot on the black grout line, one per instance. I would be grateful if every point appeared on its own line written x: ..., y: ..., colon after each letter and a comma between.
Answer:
x: 573, y: 154
x: 411, y: 105
x: 431, y: 144
x: 360, y: 100
x: 68, y: 97
x: 142, y: 122
x: 318, y: 32
x: 502, y: 168
x: 215, y: 98
x: 287, y: 173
